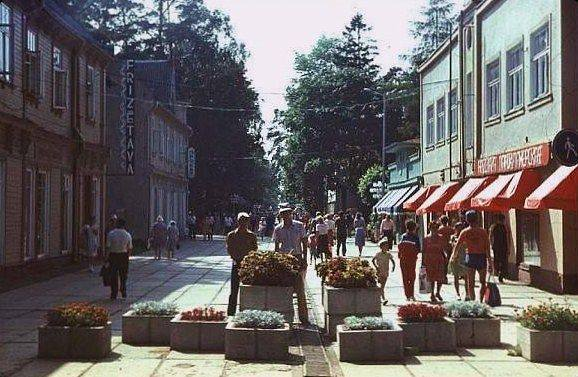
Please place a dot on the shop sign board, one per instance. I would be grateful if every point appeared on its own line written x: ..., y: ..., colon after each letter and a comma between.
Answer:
x: 565, y: 147
x: 127, y: 122
x: 525, y: 158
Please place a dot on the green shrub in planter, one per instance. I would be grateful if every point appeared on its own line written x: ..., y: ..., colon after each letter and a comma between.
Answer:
x: 154, y: 308
x: 367, y: 323
x: 549, y: 317
x: 260, y: 319
x: 468, y: 309
x: 269, y: 268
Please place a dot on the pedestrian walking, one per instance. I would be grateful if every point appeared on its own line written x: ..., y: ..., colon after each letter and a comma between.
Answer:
x: 457, y: 265
x: 90, y: 232
x: 290, y: 237
x: 341, y: 233
x: 158, y: 237
x: 172, y: 239
x: 119, y: 247
x: 209, y: 225
x: 322, y: 237
x: 239, y: 243
x: 386, y: 228
x: 499, y: 242
x: 408, y: 249
x: 263, y: 228
x: 192, y: 225
x: 478, y: 258
x: 381, y: 262
x: 331, y: 231
x: 446, y: 231
x: 434, y: 260
x: 228, y: 222
x: 359, y: 225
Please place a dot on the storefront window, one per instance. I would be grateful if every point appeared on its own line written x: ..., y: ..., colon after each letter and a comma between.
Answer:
x: 528, y: 237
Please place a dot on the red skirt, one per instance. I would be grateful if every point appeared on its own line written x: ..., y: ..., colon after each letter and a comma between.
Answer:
x: 435, y: 267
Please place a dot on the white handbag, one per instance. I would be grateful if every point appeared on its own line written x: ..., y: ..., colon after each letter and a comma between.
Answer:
x: 424, y: 284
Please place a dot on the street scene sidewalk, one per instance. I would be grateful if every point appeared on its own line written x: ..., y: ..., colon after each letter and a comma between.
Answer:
x: 199, y: 275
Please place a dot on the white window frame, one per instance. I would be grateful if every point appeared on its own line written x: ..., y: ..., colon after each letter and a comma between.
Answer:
x: 6, y: 42
x: 515, y: 78
x: 493, y: 91
x: 59, y: 75
x: 32, y: 64
x: 430, y: 125
x: 540, y: 64
x: 441, y: 119
x: 453, y: 113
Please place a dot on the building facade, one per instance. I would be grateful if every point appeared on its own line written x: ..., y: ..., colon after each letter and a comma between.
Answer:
x: 493, y: 98
x: 52, y: 141
x: 158, y: 182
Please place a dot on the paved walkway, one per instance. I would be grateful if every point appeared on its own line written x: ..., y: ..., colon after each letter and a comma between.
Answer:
x: 200, y: 276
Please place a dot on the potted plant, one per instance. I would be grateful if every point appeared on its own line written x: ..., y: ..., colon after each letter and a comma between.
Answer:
x: 75, y: 331
x: 148, y: 323
x: 267, y: 282
x: 548, y: 333
x: 350, y: 288
x: 475, y: 324
x: 427, y: 328
x: 369, y: 339
x: 257, y: 335
x: 199, y: 329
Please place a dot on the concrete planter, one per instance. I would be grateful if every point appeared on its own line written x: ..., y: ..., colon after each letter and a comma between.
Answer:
x: 548, y: 346
x: 477, y: 332
x: 351, y: 300
x: 370, y: 345
x: 430, y: 336
x: 334, y: 320
x: 146, y: 330
x: 200, y: 336
x: 257, y: 344
x: 263, y: 297
x: 74, y: 342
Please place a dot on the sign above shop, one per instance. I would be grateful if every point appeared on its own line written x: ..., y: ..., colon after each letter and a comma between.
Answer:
x: 526, y: 158
x: 565, y: 147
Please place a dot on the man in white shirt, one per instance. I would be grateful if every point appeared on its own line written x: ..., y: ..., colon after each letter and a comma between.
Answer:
x: 119, y: 246
x: 290, y: 237
x: 387, y: 227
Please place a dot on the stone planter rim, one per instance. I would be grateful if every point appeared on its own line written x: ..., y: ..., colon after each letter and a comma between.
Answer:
x: 231, y: 325
x: 519, y: 325
x: 445, y: 319
x: 130, y: 313
x: 46, y: 326
x: 265, y: 285
x: 493, y: 317
x: 177, y: 318
x: 396, y: 327
x: 350, y: 288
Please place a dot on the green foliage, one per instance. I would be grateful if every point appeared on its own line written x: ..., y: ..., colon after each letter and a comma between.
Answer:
x: 468, y: 309
x: 77, y: 314
x: 155, y: 308
x: 367, y: 323
x: 550, y: 317
x: 371, y: 176
x: 340, y: 272
x: 260, y: 319
x: 269, y: 268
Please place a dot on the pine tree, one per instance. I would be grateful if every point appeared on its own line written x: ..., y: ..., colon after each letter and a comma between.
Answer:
x: 434, y: 27
x: 358, y: 50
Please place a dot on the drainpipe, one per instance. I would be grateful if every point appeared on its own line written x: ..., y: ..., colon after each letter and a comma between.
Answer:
x: 449, y: 107
x: 461, y: 97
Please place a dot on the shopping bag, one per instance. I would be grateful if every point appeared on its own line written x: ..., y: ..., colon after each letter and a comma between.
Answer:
x: 424, y: 284
x: 106, y: 274
x: 492, y: 295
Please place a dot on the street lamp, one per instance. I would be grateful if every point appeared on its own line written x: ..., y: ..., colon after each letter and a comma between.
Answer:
x: 382, y: 95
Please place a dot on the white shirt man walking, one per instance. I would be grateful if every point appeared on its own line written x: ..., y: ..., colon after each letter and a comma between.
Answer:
x: 290, y: 237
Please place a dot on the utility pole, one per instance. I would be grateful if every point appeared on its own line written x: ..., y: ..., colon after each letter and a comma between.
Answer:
x: 383, y: 125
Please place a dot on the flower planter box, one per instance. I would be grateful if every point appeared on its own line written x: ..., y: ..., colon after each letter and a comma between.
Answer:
x: 334, y: 320
x: 430, y: 336
x: 257, y: 344
x: 370, y: 345
x: 146, y: 330
x: 263, y: 297
x: 548, y: 346
x: 351, y: 300
x: 201, y: 336
x: 74, y: 342
x: 477, y: 332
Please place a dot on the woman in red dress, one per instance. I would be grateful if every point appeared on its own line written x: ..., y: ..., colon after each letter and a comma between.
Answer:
x: 434, y: 260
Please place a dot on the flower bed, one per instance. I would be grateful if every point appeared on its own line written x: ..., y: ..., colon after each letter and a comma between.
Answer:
x: 427, y: 328
x: 340, y: 272
x: 475, y: 324
x: 548, y: 333
x: 267, y: 282
x: 369, y: 339
x: 257, y: 335
x: 75, y: 331
x: 148, y: 323
x: 199, y: 329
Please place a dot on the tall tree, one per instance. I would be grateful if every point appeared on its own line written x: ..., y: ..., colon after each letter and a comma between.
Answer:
x: 433, y: 27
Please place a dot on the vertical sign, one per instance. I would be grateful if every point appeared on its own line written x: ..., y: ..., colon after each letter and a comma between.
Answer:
x: 127, y: 117
x: 191, y: 165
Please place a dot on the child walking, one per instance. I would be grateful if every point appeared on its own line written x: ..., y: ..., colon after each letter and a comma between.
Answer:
x: 381, y: 262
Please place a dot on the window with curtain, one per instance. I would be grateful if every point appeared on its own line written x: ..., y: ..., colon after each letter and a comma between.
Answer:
x: 430, y: 125
x: 441, y: 119
x: 540, y: 61
x: 59, y: 80
x: 32, y: 64
x: 493, y: 89
x: 453, y: 112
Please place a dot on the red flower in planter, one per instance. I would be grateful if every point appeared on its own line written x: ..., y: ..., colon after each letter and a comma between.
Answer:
x: 419, y: 312
x: 203, y: 314
x: 77, y: 314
